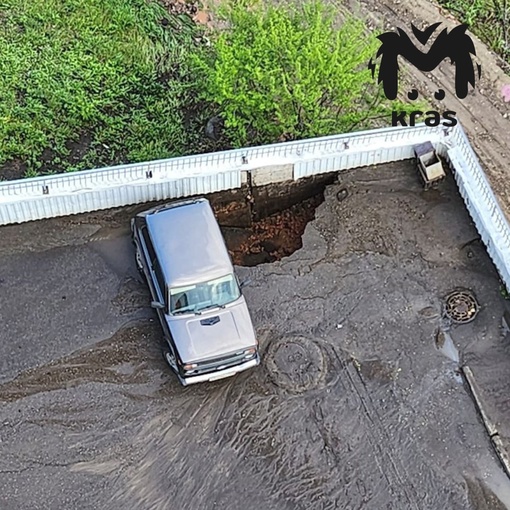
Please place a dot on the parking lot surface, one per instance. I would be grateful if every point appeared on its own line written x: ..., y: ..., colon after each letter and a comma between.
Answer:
x: 356, y: 404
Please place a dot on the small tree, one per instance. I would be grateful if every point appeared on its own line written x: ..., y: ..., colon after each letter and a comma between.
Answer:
x: 287, y: 72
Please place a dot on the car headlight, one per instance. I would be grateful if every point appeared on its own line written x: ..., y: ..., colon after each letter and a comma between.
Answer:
x: 249, y: 353
x: 189, y: 366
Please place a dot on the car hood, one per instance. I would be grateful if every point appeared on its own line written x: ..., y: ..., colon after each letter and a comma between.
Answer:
x: 213, y: 333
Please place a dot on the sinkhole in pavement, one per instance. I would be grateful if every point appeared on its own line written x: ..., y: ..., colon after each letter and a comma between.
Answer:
x: 271, y: 238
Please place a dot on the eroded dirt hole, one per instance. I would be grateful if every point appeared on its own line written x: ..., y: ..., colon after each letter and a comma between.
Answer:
x: 272, y: 238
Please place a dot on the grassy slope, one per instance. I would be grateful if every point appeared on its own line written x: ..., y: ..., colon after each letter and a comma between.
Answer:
x: 90, y: 83
x: 106, y: 71
x: 488, y: 19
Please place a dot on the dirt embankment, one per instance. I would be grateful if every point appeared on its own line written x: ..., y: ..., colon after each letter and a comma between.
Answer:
x: 484, y: 114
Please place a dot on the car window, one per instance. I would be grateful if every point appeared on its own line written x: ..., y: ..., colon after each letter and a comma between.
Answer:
x: 194, y: 298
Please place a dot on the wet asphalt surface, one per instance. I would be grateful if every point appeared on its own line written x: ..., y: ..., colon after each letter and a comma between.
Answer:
x: 353, y: 407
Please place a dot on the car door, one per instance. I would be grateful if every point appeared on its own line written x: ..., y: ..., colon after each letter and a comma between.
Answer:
x: 158, y: 290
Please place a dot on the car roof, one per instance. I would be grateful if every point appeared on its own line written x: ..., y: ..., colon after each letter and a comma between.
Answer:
x: 188, y: 242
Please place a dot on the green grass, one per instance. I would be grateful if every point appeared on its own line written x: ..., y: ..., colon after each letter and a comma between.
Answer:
x: 90, y: 83
x: 488, y: 19
x: 107, y: 70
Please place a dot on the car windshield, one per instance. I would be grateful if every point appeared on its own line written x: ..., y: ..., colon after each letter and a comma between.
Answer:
x: 195, y: 298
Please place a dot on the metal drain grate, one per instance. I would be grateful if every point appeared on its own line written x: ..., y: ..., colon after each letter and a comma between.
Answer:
x: 461, y: 306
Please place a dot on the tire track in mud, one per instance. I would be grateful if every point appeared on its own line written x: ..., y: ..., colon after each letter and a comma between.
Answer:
x: 330, y: 446
x: 263, y: 429
x: 125, y: 358
x: 418, y: 449
x: 396, y: 479
x: 258, y: 433
x: 174, y: 451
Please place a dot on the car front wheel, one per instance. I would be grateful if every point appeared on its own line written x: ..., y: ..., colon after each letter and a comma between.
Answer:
x: 170, y: 359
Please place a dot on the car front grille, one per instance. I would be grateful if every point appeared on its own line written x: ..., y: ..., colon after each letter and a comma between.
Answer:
x: 221, y: 363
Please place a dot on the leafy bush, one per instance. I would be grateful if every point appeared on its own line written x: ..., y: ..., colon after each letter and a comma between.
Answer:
x: 287, y: 72
x: 106, y: 70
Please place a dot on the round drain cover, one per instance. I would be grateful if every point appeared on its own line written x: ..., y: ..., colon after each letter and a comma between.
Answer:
x: 296, y: 364
x: 461, y: 306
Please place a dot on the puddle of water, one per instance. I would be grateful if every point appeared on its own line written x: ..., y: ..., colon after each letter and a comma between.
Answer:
x: 499, y: 484
x: 482, y: 497
x: 457, y: 377
x: 494, y: 484
x: 445, y: 345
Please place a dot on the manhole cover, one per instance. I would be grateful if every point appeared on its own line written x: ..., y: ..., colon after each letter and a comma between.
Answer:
x: 296, y: 364
x: 461, y: 306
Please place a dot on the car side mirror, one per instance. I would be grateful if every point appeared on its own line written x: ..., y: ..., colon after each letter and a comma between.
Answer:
x: 157, y: 305
x: 244, y: 283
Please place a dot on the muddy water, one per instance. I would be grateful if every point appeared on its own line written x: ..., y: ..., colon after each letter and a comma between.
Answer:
x: 445, y: 345
x: 122, y: 359
x: 325, y: 447
x: 115, y: 247
x: 329, y: 445
x: 487, y: 495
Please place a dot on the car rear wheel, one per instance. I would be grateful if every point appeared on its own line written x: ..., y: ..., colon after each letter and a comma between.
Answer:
x: 138, y: 259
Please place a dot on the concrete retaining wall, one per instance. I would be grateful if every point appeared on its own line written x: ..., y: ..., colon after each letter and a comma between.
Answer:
x: 61, y: 195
